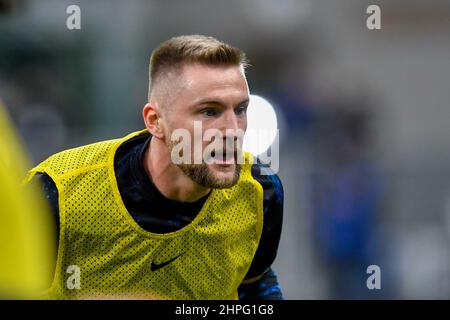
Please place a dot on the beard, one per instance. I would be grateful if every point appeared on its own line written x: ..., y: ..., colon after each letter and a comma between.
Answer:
x: 204, y: 175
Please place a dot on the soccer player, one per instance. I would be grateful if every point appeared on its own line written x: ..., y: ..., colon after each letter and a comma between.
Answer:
x: 134, y: 222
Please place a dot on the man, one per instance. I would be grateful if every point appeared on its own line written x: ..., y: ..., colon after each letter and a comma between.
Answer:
x: 135, y: 222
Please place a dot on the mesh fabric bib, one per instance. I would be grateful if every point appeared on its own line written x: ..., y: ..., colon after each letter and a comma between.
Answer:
x: 115, y: 257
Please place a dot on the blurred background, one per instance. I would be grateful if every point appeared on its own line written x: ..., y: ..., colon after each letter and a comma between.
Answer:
x: 363, y: 116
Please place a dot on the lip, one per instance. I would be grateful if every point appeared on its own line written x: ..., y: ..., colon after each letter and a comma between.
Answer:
x: 228, y: 160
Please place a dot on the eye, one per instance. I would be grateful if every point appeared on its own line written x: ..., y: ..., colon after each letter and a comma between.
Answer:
x: 210, y: 112
x: 240, y: 110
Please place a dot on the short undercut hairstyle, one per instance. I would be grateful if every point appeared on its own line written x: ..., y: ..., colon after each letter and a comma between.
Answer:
x: 177, y: 51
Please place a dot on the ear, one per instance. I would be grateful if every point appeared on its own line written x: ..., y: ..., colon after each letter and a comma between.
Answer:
x: 152, y: 119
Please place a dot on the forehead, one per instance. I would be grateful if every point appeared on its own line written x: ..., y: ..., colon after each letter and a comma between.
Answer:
x: 205, y: 79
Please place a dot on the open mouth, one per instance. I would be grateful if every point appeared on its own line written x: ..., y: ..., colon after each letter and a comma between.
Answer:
x: 224, y: 158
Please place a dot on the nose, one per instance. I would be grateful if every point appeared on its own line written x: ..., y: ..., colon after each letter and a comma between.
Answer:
x: 230, y: 121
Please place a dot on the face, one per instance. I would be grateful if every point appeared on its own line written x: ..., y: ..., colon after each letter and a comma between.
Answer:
x: 211, y: 100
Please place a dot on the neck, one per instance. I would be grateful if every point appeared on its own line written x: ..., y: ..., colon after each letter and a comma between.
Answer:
x: 167, y: 177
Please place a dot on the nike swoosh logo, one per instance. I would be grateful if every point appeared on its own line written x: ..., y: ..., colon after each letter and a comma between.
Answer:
x: 155, y: 266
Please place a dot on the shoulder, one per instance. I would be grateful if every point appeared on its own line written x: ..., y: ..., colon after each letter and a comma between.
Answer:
x: 87, y: 156
x: 270, y: 181
x: 79, y: 158
x: 273, y: 198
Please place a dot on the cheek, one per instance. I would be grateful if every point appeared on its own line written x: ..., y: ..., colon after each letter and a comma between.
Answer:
x: 187, y: 123
x: 176, y: 123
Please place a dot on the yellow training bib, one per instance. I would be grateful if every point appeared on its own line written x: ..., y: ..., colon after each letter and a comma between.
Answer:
x: 104, y: 253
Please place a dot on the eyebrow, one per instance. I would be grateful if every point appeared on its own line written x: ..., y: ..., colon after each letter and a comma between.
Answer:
x: 217, y: 102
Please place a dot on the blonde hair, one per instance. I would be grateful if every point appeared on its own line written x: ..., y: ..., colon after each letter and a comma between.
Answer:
x: 177, y: 51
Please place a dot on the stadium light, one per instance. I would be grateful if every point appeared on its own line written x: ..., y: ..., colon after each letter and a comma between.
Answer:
x: 262, y: 125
